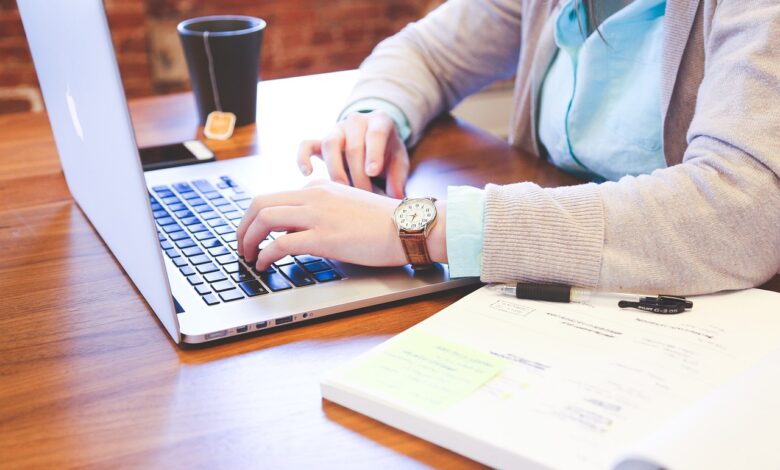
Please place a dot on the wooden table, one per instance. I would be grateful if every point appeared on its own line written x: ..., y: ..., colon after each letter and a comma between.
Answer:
x: 88, y: 376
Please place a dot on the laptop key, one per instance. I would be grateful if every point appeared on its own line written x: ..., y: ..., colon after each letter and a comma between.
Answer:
x: 194, y: 279
x: 209, y: 215
x: 202, y: 185
x: 241, y: 276
x: 160, y: 235
x: 165, y: 221
x: 212, y: 243
x: 314, y: 267
x: 225, y: 259
x: 189, y: 195
x: 327, y: 276
x: 183, y: 213
x: 170, y: 228
x: 176, y: 236
x: 222, y: 286
x: 203, y: 289
x: 207, y: 268
x: 172, y: 253
x: 268, y: 270
x: 233, y: 245
x: 297, y: 275
x: 171, y: 200
x: 177, y: 207
x: 210, y: 299
x: 195, y: 228
x: 160, y: 188
x: 182, y: 187
x: 224, y: 229
x: 243, y: 204
x: 227, y: 207
x: 307, y: 258
x: 165, y: 244
x: 158, y: 214
x: 285, y: 261
x: 179, y: 262
x: 231, y: 267
x: 187, y: 270
x: 240, y: 197
x: 192, y: 251
x: 201, y: 207
x: 274, y: 281
x: 216, y: 276
x: 229, y: 237
x: 200, y: 259
x: 190, y: 220
x: 216, y: 222
x: 232, y: 215
x: 163, y: 193
x: 204, y: 235
x: 231, y: 295
x: 219, y: 251
x: 211, y: 195
x: 252, y: 288
x: 185, y: 242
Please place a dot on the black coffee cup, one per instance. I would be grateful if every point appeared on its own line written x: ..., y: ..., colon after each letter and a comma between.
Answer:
x: 223, y: 57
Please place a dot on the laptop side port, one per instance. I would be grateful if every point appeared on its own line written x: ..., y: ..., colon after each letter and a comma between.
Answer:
x: 216, y: 334
x: 242, y: 329
x: 262, y: 324
x: 283, y: 320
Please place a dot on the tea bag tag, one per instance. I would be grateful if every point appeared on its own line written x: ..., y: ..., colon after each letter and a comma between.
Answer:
x: 219, y: 125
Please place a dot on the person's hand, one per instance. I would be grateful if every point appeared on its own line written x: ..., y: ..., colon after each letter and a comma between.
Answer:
x: 360, y: 147
x: 323, y: 219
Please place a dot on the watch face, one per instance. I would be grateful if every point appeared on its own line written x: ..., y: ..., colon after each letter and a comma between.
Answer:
x: 415, y: 214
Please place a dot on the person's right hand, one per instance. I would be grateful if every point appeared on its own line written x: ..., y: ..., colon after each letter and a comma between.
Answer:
x: 360, y: 147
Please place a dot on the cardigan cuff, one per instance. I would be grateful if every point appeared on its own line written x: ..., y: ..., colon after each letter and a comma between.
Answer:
x: 548, y: 235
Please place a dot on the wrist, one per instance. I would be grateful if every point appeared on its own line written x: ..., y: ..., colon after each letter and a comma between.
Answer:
x: 437, y: 239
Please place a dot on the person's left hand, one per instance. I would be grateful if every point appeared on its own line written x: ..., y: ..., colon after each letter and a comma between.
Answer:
x: 323, y: 219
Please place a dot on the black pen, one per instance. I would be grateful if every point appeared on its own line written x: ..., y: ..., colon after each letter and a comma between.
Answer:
x: 661, y: 304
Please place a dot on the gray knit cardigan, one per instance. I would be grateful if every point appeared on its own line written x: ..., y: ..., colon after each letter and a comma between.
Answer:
x: 708, y: 222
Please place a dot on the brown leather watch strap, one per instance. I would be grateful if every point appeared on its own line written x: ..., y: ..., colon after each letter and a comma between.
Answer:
x: 416, y: 249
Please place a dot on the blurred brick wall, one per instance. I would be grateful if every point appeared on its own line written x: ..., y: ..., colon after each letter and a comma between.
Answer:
x: 303, y: 37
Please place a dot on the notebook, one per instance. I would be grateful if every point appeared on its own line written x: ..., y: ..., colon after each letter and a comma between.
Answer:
x: 523, y: 384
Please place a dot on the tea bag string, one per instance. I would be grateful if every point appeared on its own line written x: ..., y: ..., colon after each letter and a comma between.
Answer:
x: 212, y: 74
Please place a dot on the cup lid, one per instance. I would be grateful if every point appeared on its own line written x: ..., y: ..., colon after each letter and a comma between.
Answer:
x: 198, y: 26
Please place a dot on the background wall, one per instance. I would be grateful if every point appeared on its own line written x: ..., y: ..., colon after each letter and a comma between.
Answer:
x: 303, y: 37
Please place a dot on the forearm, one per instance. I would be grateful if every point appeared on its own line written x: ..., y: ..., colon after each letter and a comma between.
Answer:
x: 419, y: 69
x: 703, y: 226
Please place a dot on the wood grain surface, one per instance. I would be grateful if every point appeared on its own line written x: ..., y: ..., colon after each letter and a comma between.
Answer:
x: 88, y: 376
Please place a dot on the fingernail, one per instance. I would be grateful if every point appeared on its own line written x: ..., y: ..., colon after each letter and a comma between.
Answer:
x: 372, y: 168
x: 304, y: 170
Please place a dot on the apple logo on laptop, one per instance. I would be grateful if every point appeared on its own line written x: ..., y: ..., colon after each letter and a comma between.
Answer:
x: 74, y: 116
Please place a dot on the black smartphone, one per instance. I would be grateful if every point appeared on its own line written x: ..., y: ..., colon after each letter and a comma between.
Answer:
x: 182, y: 153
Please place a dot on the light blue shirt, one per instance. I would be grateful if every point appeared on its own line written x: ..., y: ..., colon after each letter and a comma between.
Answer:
x: 600, y: 114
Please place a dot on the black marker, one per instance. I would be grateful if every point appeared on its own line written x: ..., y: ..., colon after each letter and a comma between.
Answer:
x: 662, y: 304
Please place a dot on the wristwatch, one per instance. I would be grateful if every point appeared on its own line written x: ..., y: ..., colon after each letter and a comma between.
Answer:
x: 414, y: 218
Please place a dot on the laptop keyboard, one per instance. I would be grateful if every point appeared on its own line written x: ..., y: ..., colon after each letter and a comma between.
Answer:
x: 196, y: 225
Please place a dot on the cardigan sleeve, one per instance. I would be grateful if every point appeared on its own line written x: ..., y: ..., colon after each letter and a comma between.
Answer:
x: 710, y: 223
x: 432, y: 64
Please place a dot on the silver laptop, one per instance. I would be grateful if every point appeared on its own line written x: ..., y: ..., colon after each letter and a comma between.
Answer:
x: 173, y: 230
